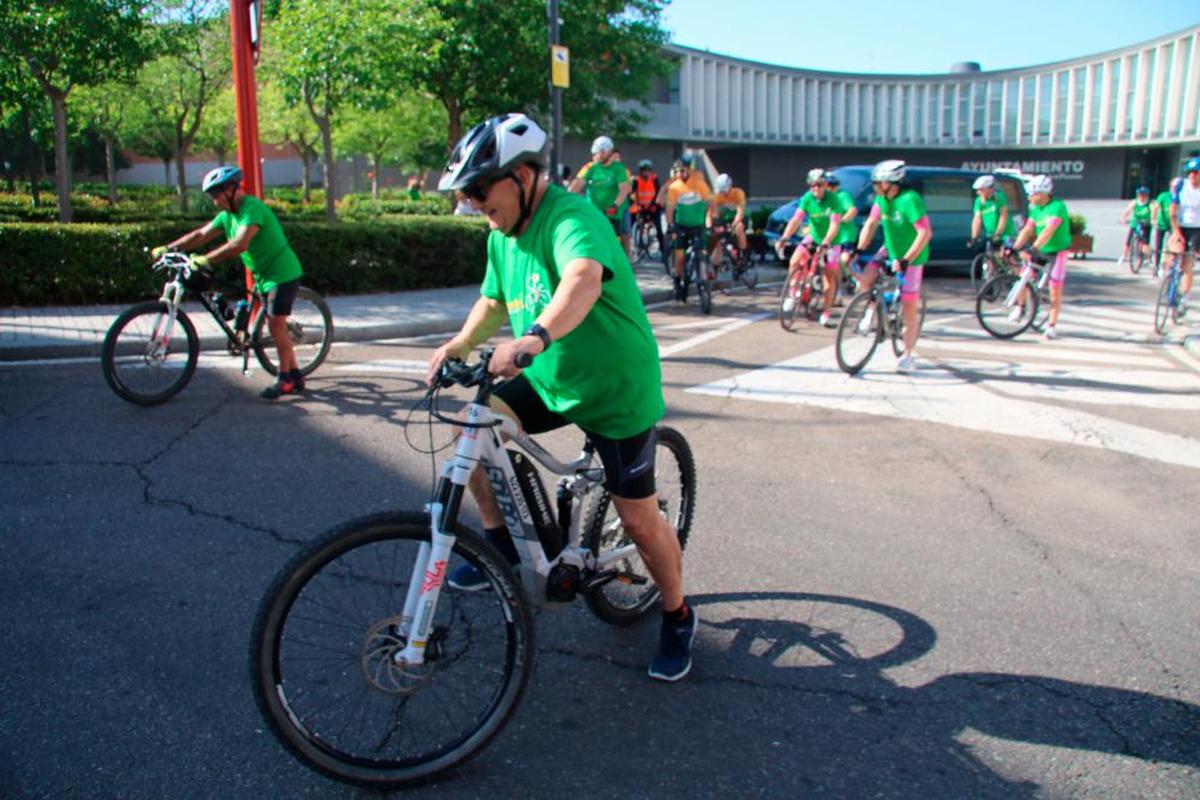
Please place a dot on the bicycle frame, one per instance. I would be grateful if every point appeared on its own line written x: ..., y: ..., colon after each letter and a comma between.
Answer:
x: 886, y: 296
x: 481, y: 444
x: 1024, y: 278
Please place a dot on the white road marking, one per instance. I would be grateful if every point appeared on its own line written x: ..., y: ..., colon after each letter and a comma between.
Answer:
x: 729, y: 327
x: 400, y: 365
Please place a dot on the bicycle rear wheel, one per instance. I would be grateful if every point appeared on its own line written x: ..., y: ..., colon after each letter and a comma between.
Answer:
x: 789, y: 301
x: 1165, y: 305
x: 979, y: 272
x: 1137, y: 258
x: 748, y: 270
x: 700, y: 269
x: 641, y: 244
x: 324, y: 640
x: 310, y: 326
x: 629, y: 596
x: 858, y: 333
x: 140, y: 363
x: 997, y: 315
x: 898, y: 328
x: 814, y: 294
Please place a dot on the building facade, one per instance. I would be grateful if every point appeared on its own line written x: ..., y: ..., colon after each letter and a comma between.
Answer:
x: 1100, y: 125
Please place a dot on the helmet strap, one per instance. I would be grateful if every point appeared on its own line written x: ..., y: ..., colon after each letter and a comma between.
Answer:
x: 526, y: 200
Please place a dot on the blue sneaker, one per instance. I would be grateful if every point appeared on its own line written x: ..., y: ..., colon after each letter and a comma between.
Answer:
x: 674, y: 658
x: 468, y: 578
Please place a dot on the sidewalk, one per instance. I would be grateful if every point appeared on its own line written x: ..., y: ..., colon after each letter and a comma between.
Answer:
x: 78, y: 331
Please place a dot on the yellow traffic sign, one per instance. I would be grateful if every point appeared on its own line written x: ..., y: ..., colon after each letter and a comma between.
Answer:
x: 560, y: 66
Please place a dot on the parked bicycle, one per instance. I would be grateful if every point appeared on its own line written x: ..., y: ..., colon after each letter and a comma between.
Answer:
x: 803, y: 291
x: 372, y: 669
x: 1167, y: 305
x: 1011, y: 303
x: 736, y: 265
x: 151, y: 350
x: 871, y: 317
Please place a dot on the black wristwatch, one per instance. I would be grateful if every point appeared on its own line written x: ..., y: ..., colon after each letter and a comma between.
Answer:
x: 540, y: 332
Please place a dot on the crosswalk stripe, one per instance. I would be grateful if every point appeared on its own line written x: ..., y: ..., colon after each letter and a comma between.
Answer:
x: 1039, y: 349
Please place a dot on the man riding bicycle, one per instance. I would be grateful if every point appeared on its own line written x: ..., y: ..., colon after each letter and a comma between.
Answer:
x: 847, y: 236
x: 823, y: 212
x: 1161, y: 213
x: 1138, y: 214
x: 1185, y: 226
x: 606, y: 181
x: 729, y: 206
x: 906, y: 236
x: 990, y: 214
x: 689, y: 213
x: 252, y: 231
x: 1048, y: 234
x: 645, y: 197
x: 559, y: 277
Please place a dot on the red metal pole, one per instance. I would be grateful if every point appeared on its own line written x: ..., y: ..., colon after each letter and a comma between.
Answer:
x: 243, y: 35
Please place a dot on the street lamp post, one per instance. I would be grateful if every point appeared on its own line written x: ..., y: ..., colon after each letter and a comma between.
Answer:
x: 555, y: 95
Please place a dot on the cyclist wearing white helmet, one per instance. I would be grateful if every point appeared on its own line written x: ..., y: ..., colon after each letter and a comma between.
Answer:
x: 990, y: 213
x: 906, y: 236
x: 1185, y: 225
x: 822, y: 211
x: 559, y: 277
x: 729, y: 206
x: 253, y: 232
x: 1048, y: 234
x: 607, y: 184
x: 688, y: 203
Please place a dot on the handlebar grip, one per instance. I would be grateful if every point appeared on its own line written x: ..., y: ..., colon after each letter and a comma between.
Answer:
x: 523, y: 359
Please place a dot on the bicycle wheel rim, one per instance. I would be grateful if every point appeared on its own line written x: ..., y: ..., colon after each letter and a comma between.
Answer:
x: 858, y: 333
x: 306, y: 627
x: 787, y: 315
x: 977, y: 272
x: 140, y: 364
x: 994, y: 313
x: 310, y: 326
x: 1162, y: 307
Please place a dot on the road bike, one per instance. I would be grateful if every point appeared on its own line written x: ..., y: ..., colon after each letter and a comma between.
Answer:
x: 803, y: 290
x: 151, y: 350
x: 988, y: 263
x: 371, y: 668
x: 1168, y: 304
x: 1137, y: 241
x: 697, y: 269
x: 646, y: 246
x: 871, y: 317
x: 736, y: 264
x: 1009, y: 304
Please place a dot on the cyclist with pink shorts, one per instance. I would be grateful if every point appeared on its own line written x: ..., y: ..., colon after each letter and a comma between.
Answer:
x: 906, y: 236
x: 823, y: 212
x: 1047, y: 233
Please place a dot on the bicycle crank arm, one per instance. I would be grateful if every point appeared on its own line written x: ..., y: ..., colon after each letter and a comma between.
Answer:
x: 594, y: 582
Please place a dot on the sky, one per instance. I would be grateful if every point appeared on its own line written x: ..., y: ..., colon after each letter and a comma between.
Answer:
x: 920, y: 36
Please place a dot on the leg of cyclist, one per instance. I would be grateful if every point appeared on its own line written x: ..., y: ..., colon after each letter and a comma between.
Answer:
x: 1156, y: 253
x: 910, y: 307
x: 797, y: 269
x: 277, y: 305
x: 739, y: 230
x: 833, y: 269
x: 1058, y: 277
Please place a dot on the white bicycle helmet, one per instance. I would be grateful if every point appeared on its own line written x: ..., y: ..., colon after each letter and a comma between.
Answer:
x: 1041, y: 184
x: 491, y: 149
x: 723, y: 184
x: 815, y: 175
x: 602, y: 144
x: 891, y: 171
x: 984, y: 182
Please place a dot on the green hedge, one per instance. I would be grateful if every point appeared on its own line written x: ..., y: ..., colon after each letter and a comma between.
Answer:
x: 48, y: 264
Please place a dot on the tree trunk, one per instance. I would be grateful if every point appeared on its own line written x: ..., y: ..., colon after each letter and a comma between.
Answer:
x: 220, y: 152
x: 110, y: 167
x: 330, y: 168
x: 378, y: 165
x: 306, y: 181
x: 32, y: 166
x: 181, y: 167
x: 453, y: 122
x: 9, y: 180
x: 167, y: 173
x: 62, y: 160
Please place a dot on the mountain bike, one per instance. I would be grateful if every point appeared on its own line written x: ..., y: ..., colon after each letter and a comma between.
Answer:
x: 151, y: 350
x: 988, y: 263
x: 803, y: 290
x: 697, y: 269
x: 1136, y: 243
x: 1009, y: 304
x: 736, y: 264
x: 1167, y: 305
x: 871, y: 317
x: 369, y: 667
x: 645, y: 239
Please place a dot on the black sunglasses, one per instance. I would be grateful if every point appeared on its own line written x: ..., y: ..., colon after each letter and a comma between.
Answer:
x: 478, y: 191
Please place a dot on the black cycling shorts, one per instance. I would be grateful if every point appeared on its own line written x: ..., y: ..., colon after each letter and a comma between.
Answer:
x: 1140, y: 231
x: 685, y: 233
x: 1191, y: 239
x: 279, y: 300
x: 628, y: 463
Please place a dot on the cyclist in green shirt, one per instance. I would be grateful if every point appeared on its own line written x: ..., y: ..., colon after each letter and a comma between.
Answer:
x: 607, y: 183
x: 847, y: 236
x: 252, y: 231
x: 1048, y: 234
x: 1138, y: 214
x: 818, y: 214
x: 559, y: 277
x: 1161, y: 213
x: 990, y: 213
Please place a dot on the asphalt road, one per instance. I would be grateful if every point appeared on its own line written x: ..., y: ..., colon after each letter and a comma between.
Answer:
x: 978, y: 581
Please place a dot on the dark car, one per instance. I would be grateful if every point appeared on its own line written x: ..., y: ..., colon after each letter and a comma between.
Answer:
x: 948, y: 198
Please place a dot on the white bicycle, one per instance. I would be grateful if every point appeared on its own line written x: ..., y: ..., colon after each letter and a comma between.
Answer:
x: 372, y: 669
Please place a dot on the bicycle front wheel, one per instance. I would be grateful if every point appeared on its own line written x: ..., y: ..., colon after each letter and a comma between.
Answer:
x: 310, y: 328
x: 141, y: 363
x: 1165, y: 304
x: 898, y: 328
x: 631, y: 594
x: 704, y: 285
x: 324, y: 645
x: 789, y: 301
x: 858, y: 333
x: 1001, y: 315
x: 978, y: 272
x: 749, y: 271
x: 1137, y: 258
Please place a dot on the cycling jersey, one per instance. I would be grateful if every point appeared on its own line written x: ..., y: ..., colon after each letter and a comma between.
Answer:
x: 1041, y: 217
x: 690, y: 201
x: 269, y: 257
x: 1163, y: 201
x: 819, y: 213
x: 645, y: 190
x: 603, y: 182
x: 1188, y: 198
x: 847, y: 229
x: 604, y: 375
x: 1139, y: 214
x: 900, y: 216
x: 728, y: 203
x: 989, y: 214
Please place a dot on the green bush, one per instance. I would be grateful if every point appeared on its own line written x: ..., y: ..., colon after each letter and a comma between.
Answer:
x: 48, y: 263
x: 1077, y: 223
x: 758, y: 217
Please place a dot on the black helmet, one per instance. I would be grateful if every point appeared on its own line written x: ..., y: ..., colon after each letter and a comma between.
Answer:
x: 491, y: 149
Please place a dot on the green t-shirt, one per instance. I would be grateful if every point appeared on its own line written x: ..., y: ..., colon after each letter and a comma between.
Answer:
x: 899, y: 216
x: 1164, y: 211
x: 847, y: 231
x: 989, y: 213
x: 817, y: 213
x: 604, y: 375
x: 603, y: 183
x: 1141, y: 214
x: 269, y: 257
x: 1041, y: 215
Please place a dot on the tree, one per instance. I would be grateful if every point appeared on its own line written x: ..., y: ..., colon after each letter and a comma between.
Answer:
x: 330, y: 56
x: 105, y: 109
x: 218, y: 131
x: 290, y: 124
x: 70, y: 43
x: 407, y: 132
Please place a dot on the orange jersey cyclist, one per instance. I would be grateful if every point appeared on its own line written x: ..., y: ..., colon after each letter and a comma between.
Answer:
x: 729, y: 207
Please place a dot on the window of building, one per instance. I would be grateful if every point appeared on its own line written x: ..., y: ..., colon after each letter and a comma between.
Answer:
x: 1131, y: 94
x: 920, y: 98
x: 1097, y: 98
x: 1145, y: 123
x: 1181, y: 125
x: 978, y: 110
x: 1060, y: 106
x: 673, y: 86
x: 1028, y: 108
x: 1168, y: 68
x: 947, y: 194
x: 947, y: 112
x: 1077, y: 109
x: 1012, y: 89
x: 1114, y: 91
x: 963, y: 129
x: 995, y: 110
x: 1045, y: 95
x: 932, y: 93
